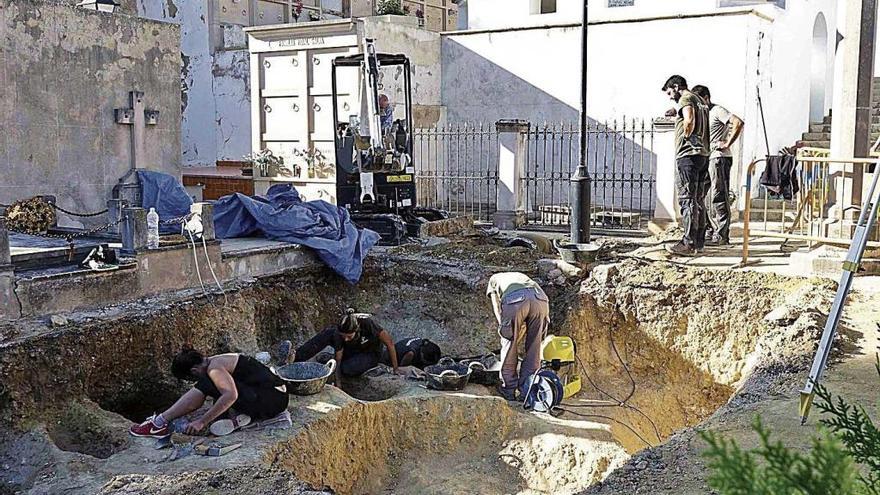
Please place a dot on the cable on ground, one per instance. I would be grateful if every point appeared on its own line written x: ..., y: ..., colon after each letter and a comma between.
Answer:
x: 614, y: 401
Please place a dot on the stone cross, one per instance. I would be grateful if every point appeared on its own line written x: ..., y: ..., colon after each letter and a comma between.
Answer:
x: 138, y: 117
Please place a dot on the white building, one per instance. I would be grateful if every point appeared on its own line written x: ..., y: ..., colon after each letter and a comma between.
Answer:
x: 533, y: 61
x: 530, y: 51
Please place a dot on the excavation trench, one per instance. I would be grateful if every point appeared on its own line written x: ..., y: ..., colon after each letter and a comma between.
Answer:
x: 676, y: 343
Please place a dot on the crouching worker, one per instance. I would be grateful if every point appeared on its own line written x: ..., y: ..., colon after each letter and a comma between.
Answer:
x: 236, y: 382
x: 523, y: 313
x: 357, y: 343
x: 414, y: 352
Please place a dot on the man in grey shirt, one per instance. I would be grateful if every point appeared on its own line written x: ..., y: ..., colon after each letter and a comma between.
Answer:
x: 724, y: 129
x: 523, y: 313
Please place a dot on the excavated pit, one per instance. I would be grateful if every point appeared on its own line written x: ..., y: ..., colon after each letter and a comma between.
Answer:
x: 690, y: 339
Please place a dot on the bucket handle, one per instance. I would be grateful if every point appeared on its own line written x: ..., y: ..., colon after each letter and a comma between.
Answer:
x: 477, y: 364
x: 447, y: 373
x: 446, y: 360
x: 331, y: 366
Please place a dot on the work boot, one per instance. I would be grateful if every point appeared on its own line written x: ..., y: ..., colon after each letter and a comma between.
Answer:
x: 508, y: 395
x: 681, y: 249
x: 149, y: 429
x: 718, y: 241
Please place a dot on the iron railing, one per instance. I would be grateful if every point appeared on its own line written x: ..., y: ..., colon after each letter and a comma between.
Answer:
x: 457, y: 170
x: 621, y: 164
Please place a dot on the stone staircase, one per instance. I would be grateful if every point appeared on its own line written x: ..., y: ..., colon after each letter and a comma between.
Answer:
x: 819, y: 133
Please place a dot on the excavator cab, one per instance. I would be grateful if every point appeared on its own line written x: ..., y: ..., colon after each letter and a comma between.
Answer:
x: 375, y: 173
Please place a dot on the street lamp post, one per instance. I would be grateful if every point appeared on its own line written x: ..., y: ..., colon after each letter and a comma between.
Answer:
x: 580, y: 181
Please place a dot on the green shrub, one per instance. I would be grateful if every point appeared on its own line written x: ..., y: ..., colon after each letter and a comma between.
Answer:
x: 390, y: 7
x: 844, y: 459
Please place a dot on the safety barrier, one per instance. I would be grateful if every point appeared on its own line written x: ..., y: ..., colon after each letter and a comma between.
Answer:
x: 813, y: 214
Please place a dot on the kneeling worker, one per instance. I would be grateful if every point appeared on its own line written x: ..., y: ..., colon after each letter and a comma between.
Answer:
x: 414, y: 352
x: 523, y: 312
x: 236, y: 382
x: 356, y: 342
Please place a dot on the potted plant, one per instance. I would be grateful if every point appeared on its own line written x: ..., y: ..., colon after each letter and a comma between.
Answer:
x: 390, y: 7
x: 265, y: 162
x: 316, y: 163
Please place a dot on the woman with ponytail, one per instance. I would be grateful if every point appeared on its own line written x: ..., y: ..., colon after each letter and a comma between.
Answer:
x: 357, y: 342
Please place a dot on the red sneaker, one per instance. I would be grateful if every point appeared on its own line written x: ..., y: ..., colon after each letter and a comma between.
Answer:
x: 149, y: 429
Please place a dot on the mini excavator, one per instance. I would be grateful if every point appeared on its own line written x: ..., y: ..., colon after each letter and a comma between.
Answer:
x: 375, y: 171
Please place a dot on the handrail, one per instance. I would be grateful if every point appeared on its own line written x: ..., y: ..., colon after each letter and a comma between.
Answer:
x: 814, y: 182
x: 750, y: 171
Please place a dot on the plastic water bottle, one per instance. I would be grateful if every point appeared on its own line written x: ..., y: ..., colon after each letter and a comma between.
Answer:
x: 152, y: 229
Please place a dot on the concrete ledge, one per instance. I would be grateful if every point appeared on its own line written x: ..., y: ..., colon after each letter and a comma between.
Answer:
x: 150, y: 272
x: 827, y: 261
x: 509, y: 220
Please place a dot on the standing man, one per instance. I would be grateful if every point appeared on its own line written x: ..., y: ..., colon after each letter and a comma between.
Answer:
x: 724, y: 129
x: 523, y: 313
x: 692, y: 164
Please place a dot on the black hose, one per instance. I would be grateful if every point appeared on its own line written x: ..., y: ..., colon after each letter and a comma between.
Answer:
x: 609, y: 418
x: 616, y: 403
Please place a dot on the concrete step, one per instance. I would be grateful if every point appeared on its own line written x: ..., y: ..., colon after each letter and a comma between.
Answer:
x: 824, y: 127
x: 773, y: 204
x: 814, y: 144
x: 760, y: 215
x: 816, y: 136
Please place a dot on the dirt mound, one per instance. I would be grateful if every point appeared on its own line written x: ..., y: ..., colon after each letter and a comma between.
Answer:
x: 89, y: 430
x: 477, y: 250
x: 231, y: 481
x: 447, y: 444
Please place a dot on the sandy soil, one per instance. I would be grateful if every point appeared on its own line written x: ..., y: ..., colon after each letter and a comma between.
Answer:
x: 690, y: 352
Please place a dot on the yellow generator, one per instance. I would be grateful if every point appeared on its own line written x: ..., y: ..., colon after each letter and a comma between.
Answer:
x: 558, y: 354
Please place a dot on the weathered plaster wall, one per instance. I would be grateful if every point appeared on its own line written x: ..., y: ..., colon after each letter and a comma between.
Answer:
x: 62, y: 72
x: 395, y: 34
x: 215, y: 94
x: 125, y: 6
x: 232, y: 97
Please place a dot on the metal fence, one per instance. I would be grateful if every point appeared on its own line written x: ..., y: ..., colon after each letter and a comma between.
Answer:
x: 621, y: 163
x: 457, y: 170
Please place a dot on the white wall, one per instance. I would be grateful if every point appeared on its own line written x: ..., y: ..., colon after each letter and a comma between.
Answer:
x: 495, y: 14
x: 533, y: 74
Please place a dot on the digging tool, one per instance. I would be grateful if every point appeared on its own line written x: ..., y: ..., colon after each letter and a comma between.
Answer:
x: 867, y: 217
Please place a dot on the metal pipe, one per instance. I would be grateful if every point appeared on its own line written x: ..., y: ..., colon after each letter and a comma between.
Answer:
x: 580, y: 181
x: 748, y: 212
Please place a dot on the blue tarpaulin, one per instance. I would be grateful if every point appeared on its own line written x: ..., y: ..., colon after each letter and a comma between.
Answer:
x: 281, y: 215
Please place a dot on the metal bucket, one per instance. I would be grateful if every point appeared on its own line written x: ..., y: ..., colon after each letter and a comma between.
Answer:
x: 485, y: 370
x: 447, y: 375
x: 306, y: 378
x: 577, y: 254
